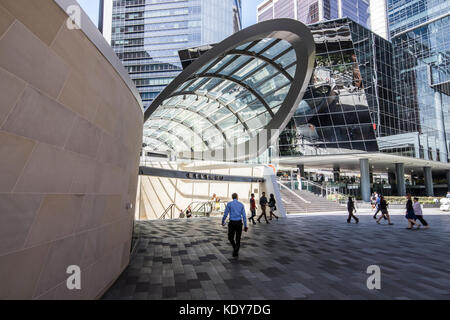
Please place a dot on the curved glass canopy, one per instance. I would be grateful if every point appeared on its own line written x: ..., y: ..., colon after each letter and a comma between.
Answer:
x: 228, y: 100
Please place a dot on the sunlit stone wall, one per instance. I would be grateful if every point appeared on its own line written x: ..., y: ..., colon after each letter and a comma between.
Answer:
x: 70, y: 135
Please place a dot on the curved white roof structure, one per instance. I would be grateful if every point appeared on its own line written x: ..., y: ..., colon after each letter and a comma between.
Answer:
x: 231, y: 102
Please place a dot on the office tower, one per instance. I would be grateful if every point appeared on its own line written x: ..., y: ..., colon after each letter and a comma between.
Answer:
x: 419, y: 31
x: 378, y: 18
x: 312, y: 11
x: 146, y: 35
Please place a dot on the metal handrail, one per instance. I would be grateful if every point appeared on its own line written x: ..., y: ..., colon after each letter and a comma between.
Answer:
x: 295, y: 194
x: 328, y: 190
x: 202, y: 206
x: 169, y: 208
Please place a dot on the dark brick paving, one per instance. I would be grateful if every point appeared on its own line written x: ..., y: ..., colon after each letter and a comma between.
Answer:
x: 315, y: 257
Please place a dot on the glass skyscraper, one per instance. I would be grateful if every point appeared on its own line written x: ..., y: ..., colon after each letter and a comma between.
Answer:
x: 419, y: 31
x: 351, y: 104
x: 312, y: 11
x: 147, y: 34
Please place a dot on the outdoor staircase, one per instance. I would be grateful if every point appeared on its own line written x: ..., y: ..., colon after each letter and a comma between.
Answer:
x: 307, y: 202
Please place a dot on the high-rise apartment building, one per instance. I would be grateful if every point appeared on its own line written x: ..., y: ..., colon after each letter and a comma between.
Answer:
x: 147, y: 34
x: 312, y: 11
x: 419, y: 31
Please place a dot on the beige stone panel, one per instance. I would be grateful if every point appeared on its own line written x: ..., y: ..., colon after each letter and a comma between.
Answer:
x: 113, y: 209
x: 84, y: 138
x: 10, y: 89
x: 14, y: 153
x: 105, y: 272
x: 87, y: 175
x: 113, y: 151
x: 80, y: 98
x: 49, y: 170
x: 27, y: 119
x: 91, y: 251
x: 126, y: 254
x: 24, y: 55
x: 112, y: 180
x: 19, y: 272
x: 71, y: 46
x: 107, y: 117
x: 6, y: 19
x: 92, y: 212
x: 43, y: 17
x: 62, y: 254
x: 16, y: 216
x: 56, y: 218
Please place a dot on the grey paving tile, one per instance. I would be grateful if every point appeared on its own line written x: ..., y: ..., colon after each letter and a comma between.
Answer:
x: 315, y: 257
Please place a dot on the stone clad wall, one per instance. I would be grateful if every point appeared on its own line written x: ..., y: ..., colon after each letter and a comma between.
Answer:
x: 70, y: 136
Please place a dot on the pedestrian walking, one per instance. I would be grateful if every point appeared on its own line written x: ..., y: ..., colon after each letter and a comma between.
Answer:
x: 252, y: 208
x: 189, y: 212
x: 272, y: 206
x: 263, y: 204
x: 384, y: 211
x: 410, y: 215
x: 236, y: 211
x: 377, y: 205
x: 419, y: 214
x: 351, y: 209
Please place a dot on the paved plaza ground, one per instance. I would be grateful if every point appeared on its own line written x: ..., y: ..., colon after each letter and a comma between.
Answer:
x: 301, y: 257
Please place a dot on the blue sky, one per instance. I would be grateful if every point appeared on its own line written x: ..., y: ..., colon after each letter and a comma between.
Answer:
x: 248, y: 10
x: 91, y: 8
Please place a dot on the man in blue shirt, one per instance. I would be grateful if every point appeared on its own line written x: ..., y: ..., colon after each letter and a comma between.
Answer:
x: 236, y: 211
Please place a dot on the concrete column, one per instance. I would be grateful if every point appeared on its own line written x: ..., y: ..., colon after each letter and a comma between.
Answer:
x: 400, y: 179
x: 301, y: 170
x: 336, y: 173
x: 391, y: 178
x: 428, y: 179
x: 365, y: 179
x: 448, y: 180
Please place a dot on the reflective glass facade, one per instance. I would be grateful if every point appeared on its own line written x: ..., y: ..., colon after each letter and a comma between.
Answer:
x: 351, y: 104
x: 312, y: 11
x: 147, y: 34
x: 405, y: 15
x: 421, y: 38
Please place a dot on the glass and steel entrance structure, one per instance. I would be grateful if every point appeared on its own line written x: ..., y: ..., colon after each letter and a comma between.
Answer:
x: 236, y: 97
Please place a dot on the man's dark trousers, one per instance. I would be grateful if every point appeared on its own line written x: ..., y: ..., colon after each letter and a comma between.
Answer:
x: 235, y: 233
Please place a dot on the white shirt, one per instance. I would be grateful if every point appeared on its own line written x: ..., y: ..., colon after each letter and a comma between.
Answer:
x: 417, y: 209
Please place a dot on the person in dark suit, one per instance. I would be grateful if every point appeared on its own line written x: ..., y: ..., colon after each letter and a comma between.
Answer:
x: 236, y: 211
x: 263, y: 205
x: 351, y: 209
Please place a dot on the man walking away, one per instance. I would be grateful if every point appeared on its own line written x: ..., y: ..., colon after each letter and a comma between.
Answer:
x: 418, y: 212
x: 252, y: 208
x: 236, y: 211
x: 263, y: 204
x: 351, y: 208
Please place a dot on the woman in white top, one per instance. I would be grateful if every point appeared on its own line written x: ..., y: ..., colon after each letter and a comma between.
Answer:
x: 418, y: 212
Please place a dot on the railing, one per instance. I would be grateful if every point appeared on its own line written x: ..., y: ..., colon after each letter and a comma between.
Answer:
x: 328, y: 192
x: 168, y: 211
x: 206, y: 208
x: 292, y: 192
